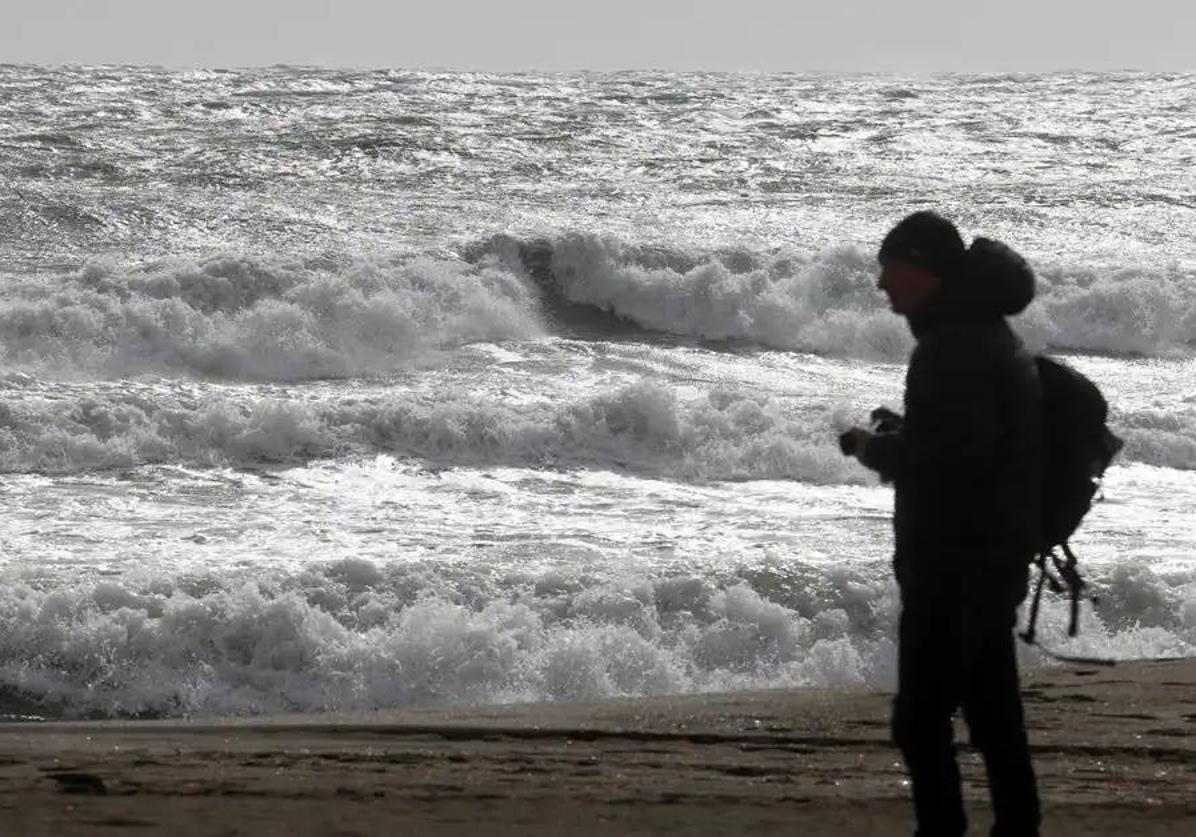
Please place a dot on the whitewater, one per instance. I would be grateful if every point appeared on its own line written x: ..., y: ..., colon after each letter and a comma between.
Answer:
x: 328, y: 389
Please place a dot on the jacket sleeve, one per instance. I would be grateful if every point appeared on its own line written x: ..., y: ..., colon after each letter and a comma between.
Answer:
x: 951, y: 415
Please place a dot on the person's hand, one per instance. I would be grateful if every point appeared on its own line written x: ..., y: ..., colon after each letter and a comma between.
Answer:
x: 861, y: 440
x: 853, y: 441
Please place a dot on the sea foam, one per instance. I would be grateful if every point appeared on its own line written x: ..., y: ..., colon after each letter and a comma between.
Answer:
x: 642, y: 427
x: 259, y: 319
x: 713, y: 433
x: 827, y: 302
x: 353, y: 635
x: 255, y: 319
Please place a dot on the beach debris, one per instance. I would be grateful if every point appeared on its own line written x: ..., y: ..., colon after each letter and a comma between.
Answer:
x: 72, y: 781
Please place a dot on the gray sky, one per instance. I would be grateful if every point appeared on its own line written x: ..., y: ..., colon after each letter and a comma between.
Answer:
x: 865, y: 35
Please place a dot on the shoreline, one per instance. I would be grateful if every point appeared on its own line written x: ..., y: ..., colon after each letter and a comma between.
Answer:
x: 1115, y: 751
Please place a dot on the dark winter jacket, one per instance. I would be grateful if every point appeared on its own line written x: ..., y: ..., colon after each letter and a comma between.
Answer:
x: 966, y: 461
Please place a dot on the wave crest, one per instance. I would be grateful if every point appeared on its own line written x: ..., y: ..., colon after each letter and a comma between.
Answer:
x: 273, y: 320
x: 643, y: 427
x: 828, y: 303
x: 257, y: 319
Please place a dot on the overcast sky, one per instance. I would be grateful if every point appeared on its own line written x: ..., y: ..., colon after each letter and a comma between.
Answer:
x: 864, y: 35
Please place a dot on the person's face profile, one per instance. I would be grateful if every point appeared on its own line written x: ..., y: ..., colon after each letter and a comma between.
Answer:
x: 909, y: 287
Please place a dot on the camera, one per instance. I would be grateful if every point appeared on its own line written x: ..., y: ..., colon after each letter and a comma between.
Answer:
x: 882, y: 421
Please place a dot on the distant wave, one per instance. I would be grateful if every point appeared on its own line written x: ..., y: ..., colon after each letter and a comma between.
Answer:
x: 257, y: 319
x: 643, y: 428
x: 353, y: 635
x: 825, y: 304
x: 1166, y: 439
x: 828, y: 303
x: 243, y: 318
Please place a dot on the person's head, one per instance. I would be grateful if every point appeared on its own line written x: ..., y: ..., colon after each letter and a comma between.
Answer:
x: 916, y: 257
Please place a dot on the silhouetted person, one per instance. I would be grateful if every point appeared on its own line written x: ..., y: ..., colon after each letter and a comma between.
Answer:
x: 965, y: 463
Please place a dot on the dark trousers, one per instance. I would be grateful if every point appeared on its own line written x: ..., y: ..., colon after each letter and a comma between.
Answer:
x: 957, y: 651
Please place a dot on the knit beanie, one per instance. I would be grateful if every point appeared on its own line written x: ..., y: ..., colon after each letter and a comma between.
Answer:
x: 925, y: 239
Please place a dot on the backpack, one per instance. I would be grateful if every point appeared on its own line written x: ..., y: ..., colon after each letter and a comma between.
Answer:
x: 1078, y: 447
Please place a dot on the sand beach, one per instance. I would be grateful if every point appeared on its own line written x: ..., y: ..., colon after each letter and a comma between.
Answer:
x: 1115, y: 750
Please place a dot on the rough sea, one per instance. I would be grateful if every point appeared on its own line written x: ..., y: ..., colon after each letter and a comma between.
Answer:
x: 329, y: 390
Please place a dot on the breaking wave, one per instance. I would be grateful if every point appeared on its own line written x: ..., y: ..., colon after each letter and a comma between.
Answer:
x: 243, y: 318
x: 828, y: 304
x: 354, y: 635
x: 644, y: 428
x: 1166, y: 439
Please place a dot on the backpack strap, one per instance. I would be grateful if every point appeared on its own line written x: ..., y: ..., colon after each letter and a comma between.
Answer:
x: 1070, y: 573
x: 1045, y: 577
x: 1064, y: 577
x: 1028, y: 635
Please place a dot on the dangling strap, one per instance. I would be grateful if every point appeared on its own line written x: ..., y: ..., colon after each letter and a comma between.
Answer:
x: 1045, y: 577
x: 1028, y: 635
x: 1070, y: 573
x: 1068, y: 579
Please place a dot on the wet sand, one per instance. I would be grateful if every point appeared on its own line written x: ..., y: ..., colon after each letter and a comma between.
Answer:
x: 1115, y: 751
